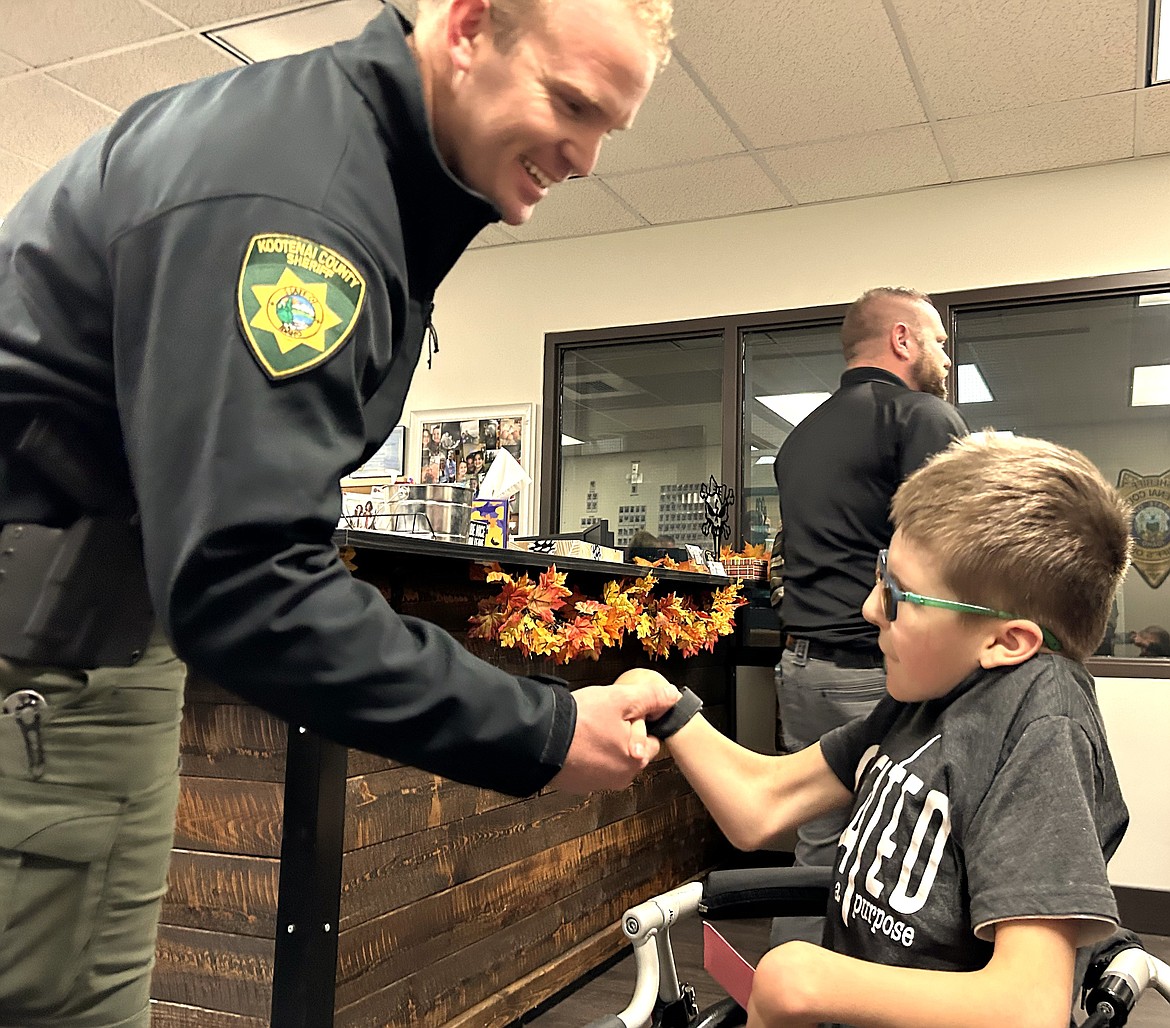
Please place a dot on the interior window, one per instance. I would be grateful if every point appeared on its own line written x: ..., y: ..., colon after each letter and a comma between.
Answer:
x: 1093, y: 374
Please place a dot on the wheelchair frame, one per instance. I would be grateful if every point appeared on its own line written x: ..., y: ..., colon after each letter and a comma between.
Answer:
x: 660, y: 1000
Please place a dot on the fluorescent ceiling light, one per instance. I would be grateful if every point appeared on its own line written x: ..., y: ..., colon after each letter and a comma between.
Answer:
x: 768, y: 458
x: 1152, y: 299
x: 1160, y: 58
x: 297, y: 31
x: 1151, y: 386
x: 972, y: 387
x: 794, y: 407
x: 568, y: 440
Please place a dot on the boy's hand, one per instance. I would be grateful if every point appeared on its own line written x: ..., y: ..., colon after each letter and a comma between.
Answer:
x: 610, y: 745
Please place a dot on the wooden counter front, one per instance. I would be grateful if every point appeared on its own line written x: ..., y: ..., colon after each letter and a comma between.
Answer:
x: 314, y: 886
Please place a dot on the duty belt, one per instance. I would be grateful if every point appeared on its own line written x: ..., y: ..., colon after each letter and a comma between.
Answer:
x: 843, y: 658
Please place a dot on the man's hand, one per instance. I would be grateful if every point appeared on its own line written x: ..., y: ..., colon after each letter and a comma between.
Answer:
x: 610, y: 744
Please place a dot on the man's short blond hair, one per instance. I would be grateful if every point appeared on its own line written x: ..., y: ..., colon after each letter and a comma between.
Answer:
x: 1022, y: 525
x: 868, y: 317
x: 511, y: 18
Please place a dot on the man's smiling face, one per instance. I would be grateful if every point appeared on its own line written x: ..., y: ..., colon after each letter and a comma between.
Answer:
x: 531, y: 115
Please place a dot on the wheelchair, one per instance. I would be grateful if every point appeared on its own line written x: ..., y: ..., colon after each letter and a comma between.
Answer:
x: 1111, y: 988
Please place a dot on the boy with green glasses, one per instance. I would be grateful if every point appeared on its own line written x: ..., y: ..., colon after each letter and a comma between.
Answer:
x: 985, y: 802
x: 891, y: 595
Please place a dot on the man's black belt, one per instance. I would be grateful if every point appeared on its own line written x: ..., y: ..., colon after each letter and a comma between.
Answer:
x: 834, y: 654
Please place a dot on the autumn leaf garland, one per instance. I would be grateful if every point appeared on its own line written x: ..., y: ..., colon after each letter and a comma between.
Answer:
x: 547, y: 618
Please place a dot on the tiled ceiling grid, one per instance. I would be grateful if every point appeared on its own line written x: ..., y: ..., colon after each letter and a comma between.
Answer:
x: 766, y: 103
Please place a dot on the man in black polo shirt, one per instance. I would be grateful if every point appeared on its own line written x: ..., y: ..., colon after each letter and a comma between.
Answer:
x: 836, y: 473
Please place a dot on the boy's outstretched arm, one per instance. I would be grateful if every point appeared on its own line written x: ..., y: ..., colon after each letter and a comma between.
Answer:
x: 752, y: 796
x: 1027, y: 984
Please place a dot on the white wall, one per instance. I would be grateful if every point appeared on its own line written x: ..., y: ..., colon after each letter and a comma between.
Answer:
x: 1137, y: 713
x: 498, y: 303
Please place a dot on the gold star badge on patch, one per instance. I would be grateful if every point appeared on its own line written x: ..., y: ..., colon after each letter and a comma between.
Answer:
x: 298, y: 302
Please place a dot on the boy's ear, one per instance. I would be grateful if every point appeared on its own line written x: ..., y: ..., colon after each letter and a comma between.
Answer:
x: 467, y: 20
x: 1013, y: 642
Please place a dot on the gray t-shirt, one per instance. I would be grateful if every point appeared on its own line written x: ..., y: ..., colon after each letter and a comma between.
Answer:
x: 997, y: 801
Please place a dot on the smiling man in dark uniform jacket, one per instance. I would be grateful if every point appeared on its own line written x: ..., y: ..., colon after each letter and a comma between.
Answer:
x: 836, y: 474
x: 209, y: 313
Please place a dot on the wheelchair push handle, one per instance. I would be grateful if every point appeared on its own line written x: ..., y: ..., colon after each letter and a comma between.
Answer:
x: 1121, y: 985
x: 728, y: 894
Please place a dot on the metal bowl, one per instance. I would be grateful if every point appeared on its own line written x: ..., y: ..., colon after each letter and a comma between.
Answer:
x: 445, y: 508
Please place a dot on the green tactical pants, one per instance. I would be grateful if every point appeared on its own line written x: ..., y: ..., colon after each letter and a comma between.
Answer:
x: 84, y: 847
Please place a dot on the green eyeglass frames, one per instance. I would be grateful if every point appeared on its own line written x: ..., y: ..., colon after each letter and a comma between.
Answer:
x: 892, y: 596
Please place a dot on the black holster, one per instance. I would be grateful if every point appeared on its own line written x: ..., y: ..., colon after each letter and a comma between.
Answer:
x: 74, y: 597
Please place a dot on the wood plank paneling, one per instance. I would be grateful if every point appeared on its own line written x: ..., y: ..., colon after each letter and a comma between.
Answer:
x: 179, y: 1015
x: 512, y: 1000
x: 222, y: 893
x: 384, y: 877
x: 231, y: 973
x: 227, y: 816
x: 460, y: 907
x: 231, y: 740
x: 404, y: 800
x: 415, y: 936
x: 445, y: 988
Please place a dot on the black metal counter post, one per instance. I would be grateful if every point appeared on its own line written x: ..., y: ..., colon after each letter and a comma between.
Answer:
x: 308, y: 904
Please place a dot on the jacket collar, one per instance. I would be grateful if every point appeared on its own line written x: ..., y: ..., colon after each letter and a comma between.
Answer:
x: 855, y: 376
x: 439, y: 214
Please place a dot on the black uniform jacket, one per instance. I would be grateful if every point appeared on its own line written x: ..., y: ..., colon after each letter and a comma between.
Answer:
x: 124, y: 309
x: 836, y: 474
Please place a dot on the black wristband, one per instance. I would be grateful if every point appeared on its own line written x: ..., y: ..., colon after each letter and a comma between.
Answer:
x: 686, y: 708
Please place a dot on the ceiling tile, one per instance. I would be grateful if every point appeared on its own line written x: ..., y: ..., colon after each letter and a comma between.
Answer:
x: 675, y: 124
x: 295, y: 32
x: 493, y: 235
x: 991, y: 55
x: 16, y: 175
x: 201, y: 13
x: 1063, y: 135
x: 886, y: 162
x: 9, y: 65
x: 810, y: 70
x: 41, y: 32
x: 120, y: 79
x: 43, y: 120
x: 1154, y: 120
x: 709, y: 189
x: 579, y: 207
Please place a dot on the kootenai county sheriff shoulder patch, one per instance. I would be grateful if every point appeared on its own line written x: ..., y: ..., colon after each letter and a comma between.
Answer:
x: 298, y: 300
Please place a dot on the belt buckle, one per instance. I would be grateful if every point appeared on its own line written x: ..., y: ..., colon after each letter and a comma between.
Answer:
x: 800, y: 652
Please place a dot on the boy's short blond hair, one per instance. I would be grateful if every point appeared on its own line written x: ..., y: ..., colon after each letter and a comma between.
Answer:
x: 1022, y: 525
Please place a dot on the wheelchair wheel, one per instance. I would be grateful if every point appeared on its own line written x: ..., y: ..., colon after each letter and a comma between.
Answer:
x: 724, y: 1014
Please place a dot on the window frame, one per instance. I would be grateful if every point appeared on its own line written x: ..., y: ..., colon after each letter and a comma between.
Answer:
x: 951, y: 304
x: 734, y: 327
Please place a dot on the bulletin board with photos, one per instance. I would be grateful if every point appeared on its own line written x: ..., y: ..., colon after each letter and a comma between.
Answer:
x: 458, y: 446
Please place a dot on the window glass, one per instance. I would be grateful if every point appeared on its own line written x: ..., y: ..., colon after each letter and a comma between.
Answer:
x: 788, y: 373
x: 641, y: 432
x: 1093, y: 374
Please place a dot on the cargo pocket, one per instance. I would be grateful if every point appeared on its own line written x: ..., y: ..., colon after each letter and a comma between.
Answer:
x: 55, y: 843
